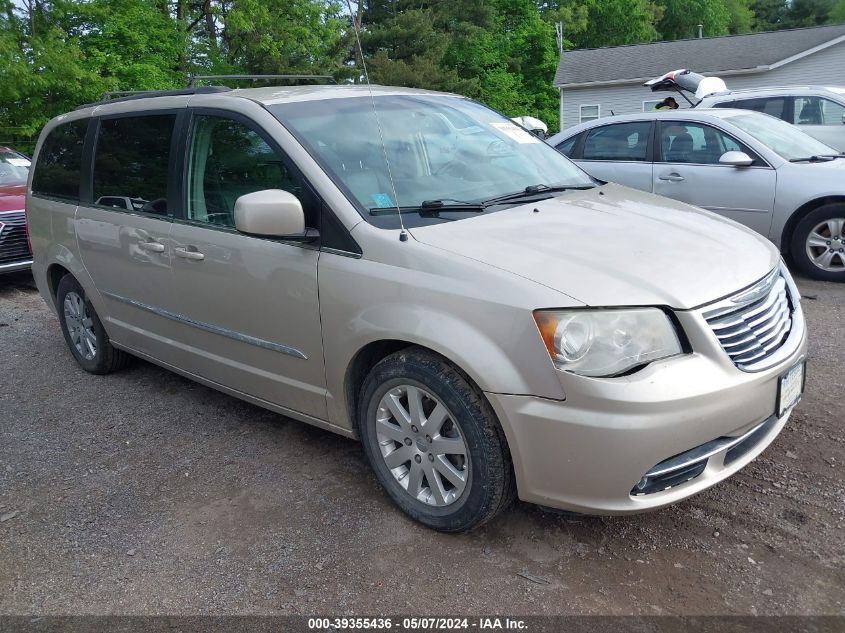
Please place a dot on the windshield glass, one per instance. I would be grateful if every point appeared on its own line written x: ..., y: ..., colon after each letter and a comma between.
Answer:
x: 785, y: 139
x: 14, y: 167
x: 438, y: 148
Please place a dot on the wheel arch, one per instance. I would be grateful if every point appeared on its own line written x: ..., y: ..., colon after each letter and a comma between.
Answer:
x: 55, y: 272
x: 799, y: 214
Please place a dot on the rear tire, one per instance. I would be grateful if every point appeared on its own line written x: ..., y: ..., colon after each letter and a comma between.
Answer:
x: 84, y: 333
x: 818, y: 243
x: 434, y: 442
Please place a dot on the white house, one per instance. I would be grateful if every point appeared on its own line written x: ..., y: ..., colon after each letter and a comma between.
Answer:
x: 599, y: 82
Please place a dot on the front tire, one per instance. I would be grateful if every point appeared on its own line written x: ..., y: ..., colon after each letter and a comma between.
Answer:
x: 84, y: 333
x: 434, y: 442
x: 818, y: 243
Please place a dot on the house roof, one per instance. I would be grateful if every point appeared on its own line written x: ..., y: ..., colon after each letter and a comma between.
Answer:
x: 709, y: 55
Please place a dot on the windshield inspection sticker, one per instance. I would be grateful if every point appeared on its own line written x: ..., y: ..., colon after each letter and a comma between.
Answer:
x: 382, y: 200
x: 512, y: 130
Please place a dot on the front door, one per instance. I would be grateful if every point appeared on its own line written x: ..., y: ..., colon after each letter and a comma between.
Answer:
x: 687, y: 169
x: 125, y: 245
x: 249, y: 305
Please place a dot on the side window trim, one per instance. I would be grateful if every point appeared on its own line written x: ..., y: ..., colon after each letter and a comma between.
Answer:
x: 658, y: 157
x: 173, y: 182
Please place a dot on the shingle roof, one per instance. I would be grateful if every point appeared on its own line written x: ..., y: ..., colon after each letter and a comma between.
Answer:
x: 707, y: 55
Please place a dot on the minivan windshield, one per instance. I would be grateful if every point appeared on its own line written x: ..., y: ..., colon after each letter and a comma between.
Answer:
x: 14, y: 167
x: 443, y: 152
x: 785, y: 139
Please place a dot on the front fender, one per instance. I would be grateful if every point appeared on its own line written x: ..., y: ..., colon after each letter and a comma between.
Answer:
x: 492, y: 338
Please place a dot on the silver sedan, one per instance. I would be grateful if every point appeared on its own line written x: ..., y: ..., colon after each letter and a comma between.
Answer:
x: 750, y: 167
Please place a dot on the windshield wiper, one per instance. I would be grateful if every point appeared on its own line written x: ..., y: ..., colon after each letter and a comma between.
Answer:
x: 817, y: 158
x: 431, y: 208
x: 532, y: 191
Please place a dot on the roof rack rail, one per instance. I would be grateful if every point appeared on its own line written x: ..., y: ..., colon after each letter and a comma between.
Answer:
x: 194, y: 78
x: 131, y: 95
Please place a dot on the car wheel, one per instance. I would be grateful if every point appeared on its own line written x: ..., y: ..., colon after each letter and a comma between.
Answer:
x: 434, y: 442
x: 818, y: 243
x: 83, y: 331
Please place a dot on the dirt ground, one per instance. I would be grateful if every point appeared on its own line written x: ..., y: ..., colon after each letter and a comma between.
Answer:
x: 144, y: 493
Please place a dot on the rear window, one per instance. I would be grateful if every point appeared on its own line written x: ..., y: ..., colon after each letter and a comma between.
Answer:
x: 131, y: 163
x: 59, y: 163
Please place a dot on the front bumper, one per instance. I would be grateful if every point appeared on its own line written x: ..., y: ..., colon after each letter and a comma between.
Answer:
x: 588, y: 453
x: 14, y: 267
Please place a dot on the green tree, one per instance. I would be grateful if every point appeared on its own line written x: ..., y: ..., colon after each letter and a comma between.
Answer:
x: 681, y: 18
x: 741, y: 16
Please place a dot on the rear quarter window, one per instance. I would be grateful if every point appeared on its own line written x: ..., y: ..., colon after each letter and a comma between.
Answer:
x: 567, y: 147
x: 59, y: 163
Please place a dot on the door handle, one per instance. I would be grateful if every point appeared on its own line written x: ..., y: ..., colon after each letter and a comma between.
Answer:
x: 671, y: 177
x: 153, y: 247
x: 185, y: 253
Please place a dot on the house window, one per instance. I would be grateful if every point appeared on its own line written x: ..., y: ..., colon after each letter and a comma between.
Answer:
x: 648, y: 106
x: 589, y: 113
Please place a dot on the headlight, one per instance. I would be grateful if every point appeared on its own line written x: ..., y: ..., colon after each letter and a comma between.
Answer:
x: 606, y: 342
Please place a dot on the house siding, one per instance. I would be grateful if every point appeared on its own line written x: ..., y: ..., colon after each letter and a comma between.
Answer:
x: 827, y: 67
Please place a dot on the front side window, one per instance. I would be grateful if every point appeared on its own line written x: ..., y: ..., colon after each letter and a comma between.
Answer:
x: 442, y: 148
x: 229, y: 159
x: 620, y: 142
x: 694, y: 143
x: 589, y: 113
x: 131, y: 163
x: 59, y: 162
x: 818, y: 111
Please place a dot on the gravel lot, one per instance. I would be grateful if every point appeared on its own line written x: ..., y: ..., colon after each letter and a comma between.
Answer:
x: 144, y: 493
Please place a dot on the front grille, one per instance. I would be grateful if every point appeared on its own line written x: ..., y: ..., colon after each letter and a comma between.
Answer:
x: 13, y: 243
x: 752, y: 330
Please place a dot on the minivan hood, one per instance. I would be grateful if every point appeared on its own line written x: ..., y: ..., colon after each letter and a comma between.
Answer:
x: 613, y: 246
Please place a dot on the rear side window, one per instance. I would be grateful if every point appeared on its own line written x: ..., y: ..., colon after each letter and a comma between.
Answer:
x: 59, y: 163
x: 774, y: 106
x: 622, y: 141
x: 567, y: 147
x: 131, y: 163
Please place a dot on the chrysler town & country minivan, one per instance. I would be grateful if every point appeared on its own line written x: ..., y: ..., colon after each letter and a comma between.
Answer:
x: 413, y: 269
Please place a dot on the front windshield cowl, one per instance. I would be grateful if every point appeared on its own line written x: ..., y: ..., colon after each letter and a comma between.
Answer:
x: 438, y: 148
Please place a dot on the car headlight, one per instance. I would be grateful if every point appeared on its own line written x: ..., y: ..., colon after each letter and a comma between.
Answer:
x: 606, y: 342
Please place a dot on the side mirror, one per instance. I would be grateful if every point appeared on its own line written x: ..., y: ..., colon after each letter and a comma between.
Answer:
x: 736, y: 159
x: 272, y: 213
x: 843, y: 118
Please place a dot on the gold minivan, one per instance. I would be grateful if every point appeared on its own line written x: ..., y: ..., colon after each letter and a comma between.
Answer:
x: 417, y: 271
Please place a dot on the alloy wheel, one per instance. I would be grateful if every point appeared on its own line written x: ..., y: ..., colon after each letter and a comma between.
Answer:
x: 422, y: 445
x: 826, y: 245
x: 80, y: 326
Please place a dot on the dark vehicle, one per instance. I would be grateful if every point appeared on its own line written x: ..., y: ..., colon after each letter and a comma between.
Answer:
x: 15, y: 251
